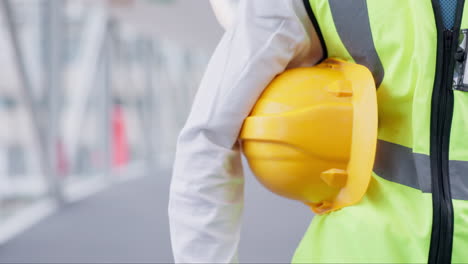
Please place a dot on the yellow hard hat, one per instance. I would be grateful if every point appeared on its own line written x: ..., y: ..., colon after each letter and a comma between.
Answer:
x: 312, y: 134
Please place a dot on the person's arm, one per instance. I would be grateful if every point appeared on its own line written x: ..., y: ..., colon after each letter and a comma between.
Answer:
x: 206, y: 197
x: 224, y: 11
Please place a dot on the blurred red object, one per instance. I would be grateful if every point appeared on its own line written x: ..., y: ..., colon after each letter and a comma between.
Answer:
x: 62, y: 161
x: 119, y: 138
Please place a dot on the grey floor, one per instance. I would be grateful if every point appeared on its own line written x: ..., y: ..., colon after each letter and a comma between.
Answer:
x: 128, y: 224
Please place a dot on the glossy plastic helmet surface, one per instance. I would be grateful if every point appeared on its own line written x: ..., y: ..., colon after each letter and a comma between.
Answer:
x: 312, y: 134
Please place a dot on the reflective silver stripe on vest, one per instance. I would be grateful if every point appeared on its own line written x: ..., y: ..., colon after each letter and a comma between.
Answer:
x: 399, y: 164
x: 459, y: 179
x: 352, y: 24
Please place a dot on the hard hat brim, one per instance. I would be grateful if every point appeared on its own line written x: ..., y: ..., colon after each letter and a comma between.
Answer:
x: 364, y: 136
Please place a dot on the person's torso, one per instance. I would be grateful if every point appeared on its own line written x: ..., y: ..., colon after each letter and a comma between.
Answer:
x: 419, y: 194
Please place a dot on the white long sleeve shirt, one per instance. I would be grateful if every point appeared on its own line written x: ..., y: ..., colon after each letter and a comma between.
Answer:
x: 206, y: 196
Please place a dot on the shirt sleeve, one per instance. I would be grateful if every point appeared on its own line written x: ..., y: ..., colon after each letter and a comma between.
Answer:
x: 206, y: 195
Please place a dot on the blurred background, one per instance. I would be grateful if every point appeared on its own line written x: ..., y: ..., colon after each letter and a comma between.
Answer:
x: 93, y: 94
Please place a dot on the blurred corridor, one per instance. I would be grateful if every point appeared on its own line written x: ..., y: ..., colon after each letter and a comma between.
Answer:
x: 92, y: 97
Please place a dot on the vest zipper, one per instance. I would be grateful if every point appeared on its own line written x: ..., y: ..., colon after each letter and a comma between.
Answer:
x: 442, y: 226
x: 441, y: 122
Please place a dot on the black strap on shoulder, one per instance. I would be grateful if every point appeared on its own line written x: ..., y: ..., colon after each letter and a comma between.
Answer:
x: 313, y: 19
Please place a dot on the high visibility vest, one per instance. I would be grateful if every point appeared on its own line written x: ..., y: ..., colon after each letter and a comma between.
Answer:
x: 416, y: 208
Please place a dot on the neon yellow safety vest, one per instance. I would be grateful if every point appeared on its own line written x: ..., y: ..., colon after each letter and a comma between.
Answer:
x: 416, y: 208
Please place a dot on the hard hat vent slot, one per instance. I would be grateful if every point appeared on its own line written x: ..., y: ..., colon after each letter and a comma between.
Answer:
x: 341, y: 88
x: 335, y: 177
